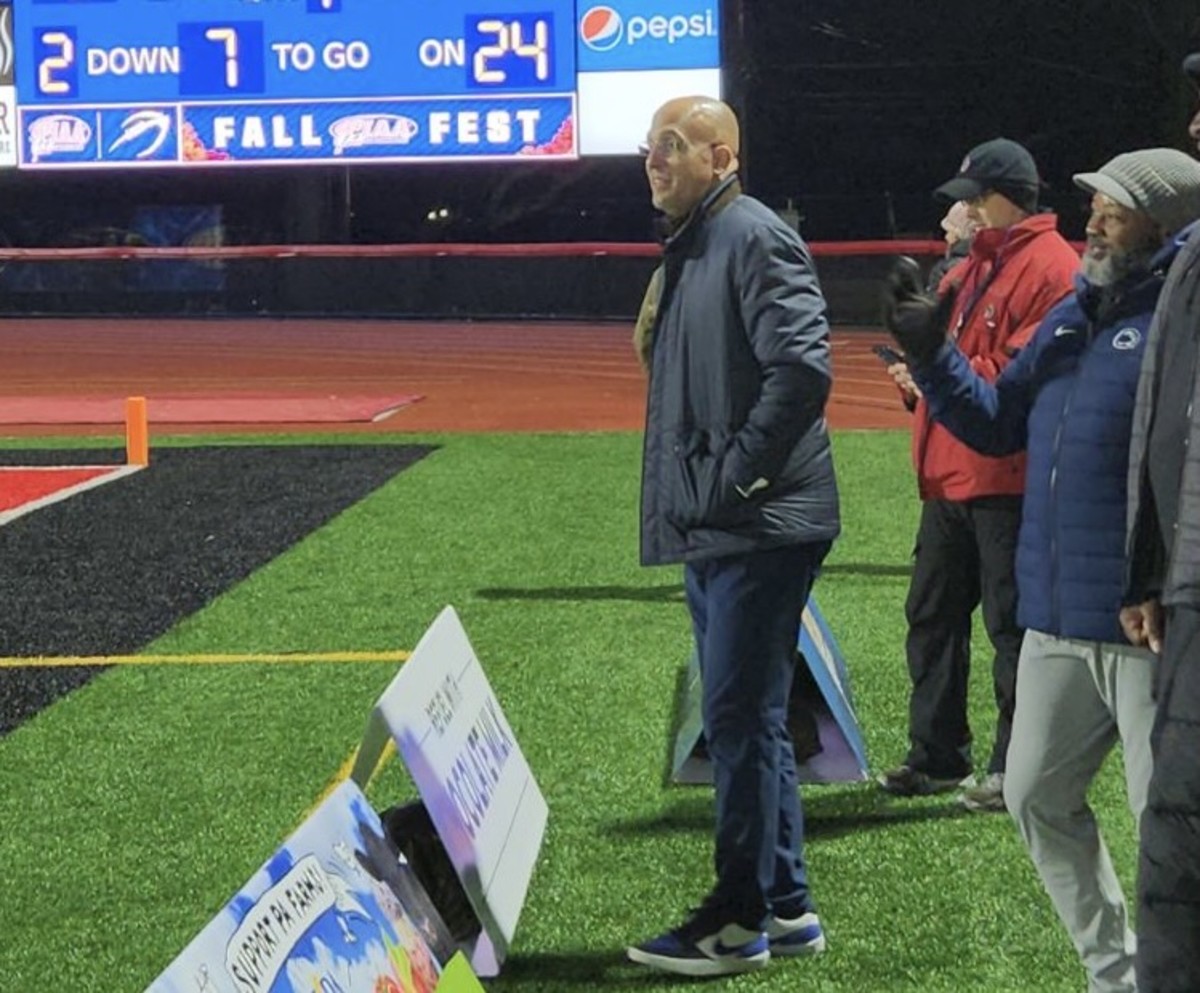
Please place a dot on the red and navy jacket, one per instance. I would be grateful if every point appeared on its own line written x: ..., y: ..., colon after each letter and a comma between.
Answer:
x: 1011, y: 278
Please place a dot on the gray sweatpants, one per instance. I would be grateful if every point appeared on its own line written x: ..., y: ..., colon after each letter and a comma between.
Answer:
x: 1075, y: 699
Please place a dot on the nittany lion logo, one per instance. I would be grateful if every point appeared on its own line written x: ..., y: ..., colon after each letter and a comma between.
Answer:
x: 1127, y: 339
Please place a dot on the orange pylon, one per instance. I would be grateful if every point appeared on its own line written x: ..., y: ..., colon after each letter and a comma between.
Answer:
x: 137, y: 435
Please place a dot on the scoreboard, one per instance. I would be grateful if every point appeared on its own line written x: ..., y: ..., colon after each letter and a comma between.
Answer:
x: 136, y: 83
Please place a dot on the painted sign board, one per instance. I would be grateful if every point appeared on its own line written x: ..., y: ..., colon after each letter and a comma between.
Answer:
x: 474, y: 782
x: 335, y: 910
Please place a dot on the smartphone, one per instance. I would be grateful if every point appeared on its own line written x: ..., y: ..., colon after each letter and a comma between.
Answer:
x: 887, y: 354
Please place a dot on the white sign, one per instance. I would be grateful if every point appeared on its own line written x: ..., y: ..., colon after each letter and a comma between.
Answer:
x: 8, y: 92
x: 473, y: 779
x: 8, y: 126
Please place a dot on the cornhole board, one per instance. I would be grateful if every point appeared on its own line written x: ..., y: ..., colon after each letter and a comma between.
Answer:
x: 334, y: 909
x: 476, y: 787
x: 821, y: 688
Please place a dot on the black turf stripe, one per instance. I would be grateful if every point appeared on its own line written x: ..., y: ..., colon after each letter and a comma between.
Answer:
x: 108, y: 571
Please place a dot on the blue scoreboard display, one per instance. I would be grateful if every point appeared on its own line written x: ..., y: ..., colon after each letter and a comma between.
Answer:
x: 121, y: 83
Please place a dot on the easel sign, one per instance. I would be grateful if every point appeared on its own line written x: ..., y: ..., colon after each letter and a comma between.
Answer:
x: 473, y: 779
x: 333, y: 910
x: 824, y: 728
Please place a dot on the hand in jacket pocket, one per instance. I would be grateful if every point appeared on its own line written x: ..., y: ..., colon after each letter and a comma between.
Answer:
x: 704, y: 495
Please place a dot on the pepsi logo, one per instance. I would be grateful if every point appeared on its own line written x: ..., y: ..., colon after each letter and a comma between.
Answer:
x: 600, y: 28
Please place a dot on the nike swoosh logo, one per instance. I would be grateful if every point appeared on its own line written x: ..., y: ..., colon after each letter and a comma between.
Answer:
x: 749, y: 491
x: 721, y: 950
x: 1062, y: 330
x: 750, y: 949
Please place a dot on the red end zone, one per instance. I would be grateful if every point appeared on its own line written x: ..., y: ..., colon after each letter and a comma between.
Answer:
x: 27, y: 488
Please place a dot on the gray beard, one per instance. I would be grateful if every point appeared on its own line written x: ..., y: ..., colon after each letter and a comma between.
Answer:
x: 1115, y: 266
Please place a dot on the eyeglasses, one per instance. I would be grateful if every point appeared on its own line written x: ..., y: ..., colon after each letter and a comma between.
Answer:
x: 667, y: 146
x: 671, y: 146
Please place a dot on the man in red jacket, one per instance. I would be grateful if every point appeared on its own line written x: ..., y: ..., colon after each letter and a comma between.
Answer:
x: 1019, y: 266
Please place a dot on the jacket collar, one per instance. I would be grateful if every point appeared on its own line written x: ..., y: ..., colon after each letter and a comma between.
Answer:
x: 996, y: 244
x: 675, y: 232
x: 1183, y: 234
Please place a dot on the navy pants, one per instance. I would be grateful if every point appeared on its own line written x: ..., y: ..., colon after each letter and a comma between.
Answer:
x: 746, y: 612
x: 965, y: 557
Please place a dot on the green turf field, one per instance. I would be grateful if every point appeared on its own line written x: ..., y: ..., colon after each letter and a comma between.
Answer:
x: 131, y: 810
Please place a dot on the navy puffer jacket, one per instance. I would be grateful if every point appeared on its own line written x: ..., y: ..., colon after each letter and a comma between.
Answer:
x: 736, y: 457
x: 1067, y: 398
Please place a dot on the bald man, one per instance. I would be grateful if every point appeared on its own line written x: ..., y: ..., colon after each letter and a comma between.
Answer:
x: 738, y: 485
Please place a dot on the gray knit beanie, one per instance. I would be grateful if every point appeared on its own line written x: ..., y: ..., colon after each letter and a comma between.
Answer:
x: 1163, y: 183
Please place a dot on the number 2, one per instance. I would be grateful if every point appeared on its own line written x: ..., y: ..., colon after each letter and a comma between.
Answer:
x: 52, y: 63
x: 497, y: 51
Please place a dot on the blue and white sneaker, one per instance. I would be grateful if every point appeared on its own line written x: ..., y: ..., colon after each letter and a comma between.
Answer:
x: 694, y: 950
x: 795, y: 936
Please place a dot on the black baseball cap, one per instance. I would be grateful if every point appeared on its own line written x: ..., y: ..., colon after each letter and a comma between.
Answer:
x: 1191, y: 68
x: 1002, y: 165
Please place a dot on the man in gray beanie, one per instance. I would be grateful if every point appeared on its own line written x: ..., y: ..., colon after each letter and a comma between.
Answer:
x: 1155, y: 181
x: 1067, y: 398
x: 1162, y: 611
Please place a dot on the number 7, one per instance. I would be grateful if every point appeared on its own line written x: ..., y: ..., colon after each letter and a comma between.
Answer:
x: 227, y: 37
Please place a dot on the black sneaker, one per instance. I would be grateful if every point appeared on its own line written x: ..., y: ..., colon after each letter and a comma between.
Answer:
x: 904, y: 780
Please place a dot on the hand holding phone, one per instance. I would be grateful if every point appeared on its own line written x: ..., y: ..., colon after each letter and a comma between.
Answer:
x: 887, y: 354
x: 904, y: 382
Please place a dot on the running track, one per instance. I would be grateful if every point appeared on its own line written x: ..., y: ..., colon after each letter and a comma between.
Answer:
x: 473, y: 376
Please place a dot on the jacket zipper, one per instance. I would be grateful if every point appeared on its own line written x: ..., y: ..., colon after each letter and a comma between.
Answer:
x: 1055, y: 599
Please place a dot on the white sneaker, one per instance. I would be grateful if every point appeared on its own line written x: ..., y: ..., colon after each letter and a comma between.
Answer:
x: 799, y: 936
x: 987, y: 797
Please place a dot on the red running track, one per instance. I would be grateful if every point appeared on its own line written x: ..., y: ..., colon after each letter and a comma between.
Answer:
x: 492, y: 376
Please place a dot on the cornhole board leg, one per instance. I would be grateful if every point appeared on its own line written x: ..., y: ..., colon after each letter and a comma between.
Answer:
x: 823, y: 689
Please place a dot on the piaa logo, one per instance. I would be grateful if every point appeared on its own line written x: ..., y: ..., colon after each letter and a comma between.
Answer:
x: 56, y: 133
x: 600, y: 29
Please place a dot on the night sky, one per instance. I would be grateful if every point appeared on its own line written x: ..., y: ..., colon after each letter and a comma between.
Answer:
x: 849, y: 104
x: 855, y: 110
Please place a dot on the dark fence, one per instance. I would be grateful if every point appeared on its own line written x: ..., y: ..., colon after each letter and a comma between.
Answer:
x: 598, y: 281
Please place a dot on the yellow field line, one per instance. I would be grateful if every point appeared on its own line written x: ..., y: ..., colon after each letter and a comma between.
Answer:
x: 238, y: 658
x: 343, y: 773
